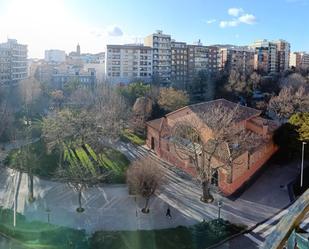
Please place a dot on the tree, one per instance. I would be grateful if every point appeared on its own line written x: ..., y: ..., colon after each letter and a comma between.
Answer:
x: 301, y: 122
x: 144, y: 177
x: 133, y: 91
x: 202, y: 87
x: 57, y: 98
x: 80, y: 173
x: 294, y: 80
x: 26, y: 161
x: 288, y: 102
x: 208, y: 155
x: 171, y: 99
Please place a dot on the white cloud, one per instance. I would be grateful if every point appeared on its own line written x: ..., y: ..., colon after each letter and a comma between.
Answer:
x: 247, y: 19
x: 211, y: 21
x: 232, y: 23
x: 235, y: 11
x: 240, y: 17
x: 114, y: 31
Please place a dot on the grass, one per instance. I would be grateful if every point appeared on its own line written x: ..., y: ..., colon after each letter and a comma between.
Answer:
x: 40, y: 235
x: 198, y: 236
x: 111, y: 159
x: 129, y: 136
x: 47, y: 163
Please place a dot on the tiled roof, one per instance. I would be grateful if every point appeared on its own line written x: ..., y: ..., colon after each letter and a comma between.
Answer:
x: 156, y: 123
x: 243, y: 112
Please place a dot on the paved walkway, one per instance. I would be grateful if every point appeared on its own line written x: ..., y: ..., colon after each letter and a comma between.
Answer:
x: 110, y: 208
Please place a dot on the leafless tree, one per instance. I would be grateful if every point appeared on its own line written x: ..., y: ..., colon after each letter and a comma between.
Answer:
x: 288, y: 102
x: 144, y: 177
x: 80, y: 174
x: 209, y: 154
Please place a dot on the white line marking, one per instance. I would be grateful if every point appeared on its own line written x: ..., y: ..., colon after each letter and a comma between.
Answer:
x: 267, y: 223
x: 255, y: 240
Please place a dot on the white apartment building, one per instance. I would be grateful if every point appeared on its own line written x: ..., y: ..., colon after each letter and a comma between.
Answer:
x: 55, y: 56
x: 13, y: 62
x: 299, y: 60
x: 265, y: 58
x: 125, y: 63
x: 162, y: 55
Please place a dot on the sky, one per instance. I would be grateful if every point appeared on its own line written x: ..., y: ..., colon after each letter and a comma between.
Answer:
x: 61, y: 24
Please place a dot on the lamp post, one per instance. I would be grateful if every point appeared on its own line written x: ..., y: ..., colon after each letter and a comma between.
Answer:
x: 302, y: 164
x: 14, y: 201
x: 219, y: 209
x: 48, y: 215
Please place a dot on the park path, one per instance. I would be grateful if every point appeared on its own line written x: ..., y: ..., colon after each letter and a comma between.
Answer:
x: 109, y: 207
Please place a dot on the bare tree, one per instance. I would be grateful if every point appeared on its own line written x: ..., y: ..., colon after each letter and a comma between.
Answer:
x: 144, y: 177
x: 288, y: 102
x: 80, y: 174
x: 209, y: 154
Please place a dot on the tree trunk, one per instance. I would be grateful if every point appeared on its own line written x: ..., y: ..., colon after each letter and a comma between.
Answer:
x: 80, y: 209
x: 146, y: 209
x: 31, y: 195
x: 207, y: 197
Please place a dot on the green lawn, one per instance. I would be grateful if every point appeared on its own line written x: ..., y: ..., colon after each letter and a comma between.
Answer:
x: 111, y: 159
x: 39, y: 235
x: 129, y: 136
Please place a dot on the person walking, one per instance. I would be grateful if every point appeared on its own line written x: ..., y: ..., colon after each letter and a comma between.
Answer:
x: 168, y: 213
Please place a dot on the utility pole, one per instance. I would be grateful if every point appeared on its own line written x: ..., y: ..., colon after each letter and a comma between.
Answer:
x: 302, y: 164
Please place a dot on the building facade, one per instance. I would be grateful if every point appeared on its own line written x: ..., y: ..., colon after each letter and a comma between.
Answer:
x: 299, y: 60
x: 179, y: 64
x: 235, y: 58
x: 283, y: 55
x: 13, y: 62
x: 125, y: 63
x: 265, y: 58
x: 245, y: 163
x: 162, y: 55
x: 55, y: 56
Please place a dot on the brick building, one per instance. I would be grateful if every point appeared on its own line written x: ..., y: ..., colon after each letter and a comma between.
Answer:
x: 245, y: 164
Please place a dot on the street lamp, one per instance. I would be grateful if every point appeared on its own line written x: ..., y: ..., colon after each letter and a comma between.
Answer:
x: 14, y: 202
x: 48, y: 215
x: 302, y: 164
x: 219, y: 209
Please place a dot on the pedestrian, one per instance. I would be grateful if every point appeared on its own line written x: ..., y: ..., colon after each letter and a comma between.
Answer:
x: 168, y: 213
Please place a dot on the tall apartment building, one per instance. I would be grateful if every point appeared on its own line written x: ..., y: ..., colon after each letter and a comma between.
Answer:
x: 283, y: 54
x: 13, y: 62
x: 235, y: 58
x: 125, y: 63
x: 202, y: 58
x: 179, y: 64
x: 265, y: 58
x: 299, y: 60
x: 162, y: 57
x: 55, y: 56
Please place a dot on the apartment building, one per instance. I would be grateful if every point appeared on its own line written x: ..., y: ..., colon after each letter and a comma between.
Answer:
x: 299, y: 60
x: 202, y: 58
x: 235, y: 58
x: 265, y: 58
x: 179, y: 64
x: 125, y: 63
x: 13, y: 62
x: 55, y: 56
x: 283, y: 54
x: 162, y: 55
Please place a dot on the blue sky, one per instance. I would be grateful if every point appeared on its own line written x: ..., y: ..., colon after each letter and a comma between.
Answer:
x: 46, y: 24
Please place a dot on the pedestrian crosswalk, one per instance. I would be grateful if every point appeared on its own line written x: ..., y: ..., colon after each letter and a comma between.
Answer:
x: 259, y: 234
